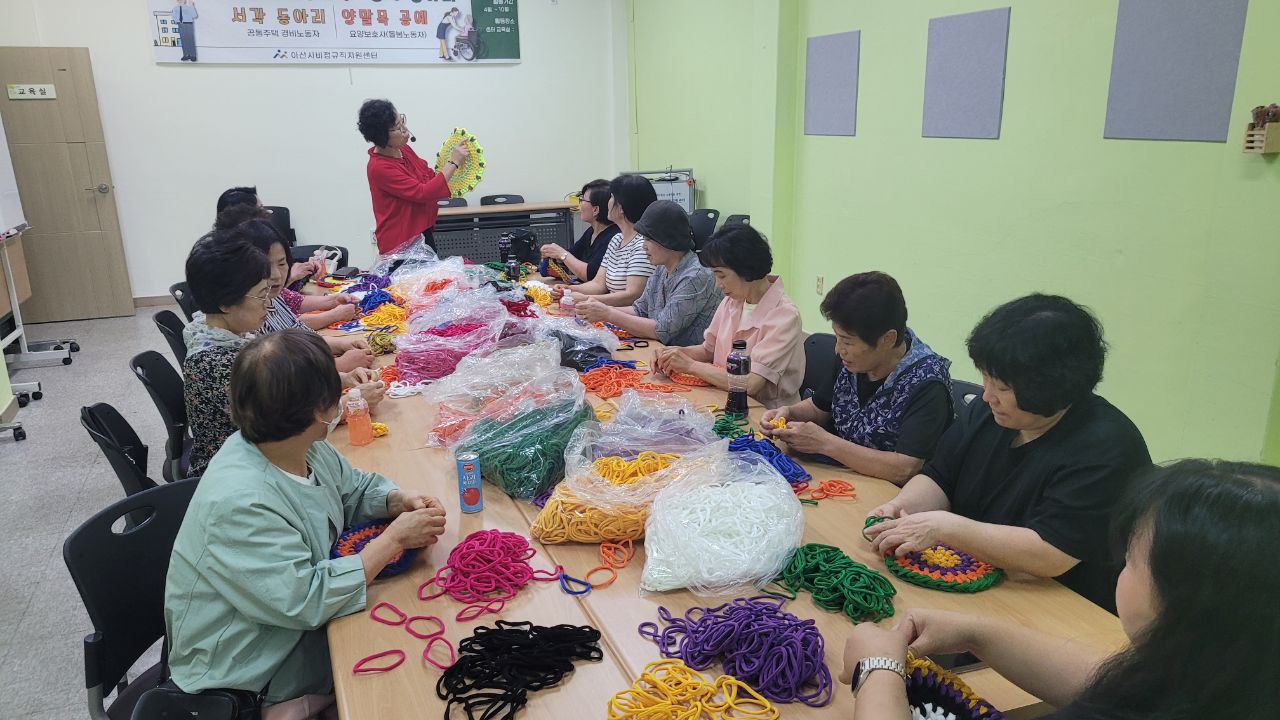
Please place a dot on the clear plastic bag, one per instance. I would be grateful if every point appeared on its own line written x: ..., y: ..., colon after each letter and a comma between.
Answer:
x: 436, y: 341
x: 521, y: 438
x: 644, y: 422
x: 580, y: 343
x: 725, y: 520
x: 479, y: 381
x: 412, y: 257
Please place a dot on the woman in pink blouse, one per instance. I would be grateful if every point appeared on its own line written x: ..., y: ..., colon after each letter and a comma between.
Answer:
x: 756, y: 309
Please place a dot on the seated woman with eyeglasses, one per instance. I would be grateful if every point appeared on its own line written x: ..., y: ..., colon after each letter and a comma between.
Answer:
x: 230, y: 281
x: 250, y: 584
x: 584, y: 258
x: 405, y: 190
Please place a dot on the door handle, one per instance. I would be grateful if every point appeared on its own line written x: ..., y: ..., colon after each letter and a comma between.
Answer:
x: 100, y: 187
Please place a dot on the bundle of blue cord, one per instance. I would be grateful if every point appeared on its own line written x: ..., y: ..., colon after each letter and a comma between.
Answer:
x: 764, y: 447
x: 601, y: 362
x: 373, y: 299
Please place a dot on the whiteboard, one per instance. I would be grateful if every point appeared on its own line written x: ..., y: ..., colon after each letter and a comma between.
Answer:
x: 10, y: 204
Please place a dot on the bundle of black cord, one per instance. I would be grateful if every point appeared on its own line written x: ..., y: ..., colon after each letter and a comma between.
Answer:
x: 498, y: 666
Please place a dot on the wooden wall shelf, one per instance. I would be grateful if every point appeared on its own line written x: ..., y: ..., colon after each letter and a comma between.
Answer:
x: 1263, y: 141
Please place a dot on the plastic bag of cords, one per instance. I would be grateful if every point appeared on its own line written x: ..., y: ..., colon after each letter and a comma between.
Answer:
x: 725, y: 521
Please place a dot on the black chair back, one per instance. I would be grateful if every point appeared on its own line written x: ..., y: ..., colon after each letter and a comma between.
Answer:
x: 171, y: 327
x: 738, y: 220
x: 501, y: 199
x: 165, y: 386
x: 963, y: 393
x: 182, y: 295
x: 820, y: 362
x: 280, y: 220
x: 703, y: 221
x: 452, y: 202
x: 304, y: 252
x: 121, y: 579
x: 122, y: 446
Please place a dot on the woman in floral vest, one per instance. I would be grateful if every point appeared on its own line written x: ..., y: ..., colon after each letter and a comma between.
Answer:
x: 889, y: 401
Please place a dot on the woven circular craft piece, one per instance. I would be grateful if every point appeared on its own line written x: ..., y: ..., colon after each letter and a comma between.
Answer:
x: 466, y: 178
x: 353, y: 541
x: 934, y: 694
x: 942, y: 567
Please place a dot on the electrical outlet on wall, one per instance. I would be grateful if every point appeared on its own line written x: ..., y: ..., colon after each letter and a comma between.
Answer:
x: 821, y: 284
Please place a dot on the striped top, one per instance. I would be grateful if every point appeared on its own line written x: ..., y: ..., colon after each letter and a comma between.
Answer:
x: 280, y: 317
x: 621, y: 261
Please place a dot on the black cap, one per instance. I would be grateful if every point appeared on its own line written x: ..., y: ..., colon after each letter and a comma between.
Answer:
x: 667, y: 224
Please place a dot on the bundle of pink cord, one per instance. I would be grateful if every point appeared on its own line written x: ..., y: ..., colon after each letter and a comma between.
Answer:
x: 484, y: 571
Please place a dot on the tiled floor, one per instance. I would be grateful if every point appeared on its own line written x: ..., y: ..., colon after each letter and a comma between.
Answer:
x: 50, y: 483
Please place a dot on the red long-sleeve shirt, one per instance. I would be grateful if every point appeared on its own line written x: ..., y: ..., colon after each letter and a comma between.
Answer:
x: 405, y: 191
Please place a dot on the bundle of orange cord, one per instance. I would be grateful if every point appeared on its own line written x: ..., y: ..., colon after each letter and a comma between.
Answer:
x: 825, y: 489
x: 613, y: 557
x: 609, y: 381
x: 687, y: 379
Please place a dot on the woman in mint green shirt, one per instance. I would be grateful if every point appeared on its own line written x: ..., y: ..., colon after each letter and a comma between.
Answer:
x: 250, y: 584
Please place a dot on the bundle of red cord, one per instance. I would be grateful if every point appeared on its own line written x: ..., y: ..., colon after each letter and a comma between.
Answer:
x: 609, y: 381
x: 455, y: 329
x: 519, y: 308
x: 419, y: 365
x: 484, y: 571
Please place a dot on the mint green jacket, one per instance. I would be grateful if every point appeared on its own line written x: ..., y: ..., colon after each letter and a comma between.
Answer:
x: 251, y: 585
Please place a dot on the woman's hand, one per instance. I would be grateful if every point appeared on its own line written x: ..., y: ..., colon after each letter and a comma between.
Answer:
x: 551, y: 250
x: 592, y: 310
x: 459, y: 154
x: 342, y: 313
x: 558, y: 290
x: 912, y: 532
x: 938, y: 631
x: 301, y: 270
x: 676, y: 361
x: 416, y: 528
x: 805, y: 437
x: 766, y: 421
x: 402, y: 501
x: 354, y: 358
x: 868, y: 640
x: 372, y: 392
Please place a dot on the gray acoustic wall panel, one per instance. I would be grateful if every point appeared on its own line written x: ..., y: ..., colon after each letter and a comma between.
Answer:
x: 831, y: 84
x: 1173, y: 70
x: 964, y: 75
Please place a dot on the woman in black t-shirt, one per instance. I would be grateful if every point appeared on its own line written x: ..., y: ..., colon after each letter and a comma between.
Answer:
x: 584, y: 258
x: 1196, y: 599
x: 1027, y: 478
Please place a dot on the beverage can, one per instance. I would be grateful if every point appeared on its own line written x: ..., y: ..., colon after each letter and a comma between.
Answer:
x: 470, y: 494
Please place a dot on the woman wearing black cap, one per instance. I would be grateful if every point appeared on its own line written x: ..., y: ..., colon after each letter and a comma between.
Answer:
x: 680, y: 297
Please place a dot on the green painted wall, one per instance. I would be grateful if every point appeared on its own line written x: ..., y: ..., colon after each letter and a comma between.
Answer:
x: 1174, y: 245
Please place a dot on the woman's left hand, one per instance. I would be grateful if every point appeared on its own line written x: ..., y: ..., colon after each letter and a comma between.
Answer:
x: 805, y: 437
x: 355, y: 342
x: 869, y: 640
x: 913, y: 532
x: 676, y: 361
x: 592, y: 310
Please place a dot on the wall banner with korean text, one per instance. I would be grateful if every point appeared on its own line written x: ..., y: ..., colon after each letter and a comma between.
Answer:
x: 347, y: 32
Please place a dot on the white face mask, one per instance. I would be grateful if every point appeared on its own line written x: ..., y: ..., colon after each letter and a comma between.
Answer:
x: 333, y: 424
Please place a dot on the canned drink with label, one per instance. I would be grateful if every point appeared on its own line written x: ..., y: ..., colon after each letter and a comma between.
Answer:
x: 470, y: 494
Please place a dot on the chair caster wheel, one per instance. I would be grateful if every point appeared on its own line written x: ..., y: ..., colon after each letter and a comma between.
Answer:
x: 75, y: 347
x: 23, y: 400
x: 37, y: 395
x: 19, y: 434
x: 66, y: 361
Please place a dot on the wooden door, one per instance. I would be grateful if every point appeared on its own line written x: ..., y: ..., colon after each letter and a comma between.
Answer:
x: 75, y: 258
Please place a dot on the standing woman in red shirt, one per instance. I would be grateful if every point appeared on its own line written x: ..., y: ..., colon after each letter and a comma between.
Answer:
x: 404, y: 188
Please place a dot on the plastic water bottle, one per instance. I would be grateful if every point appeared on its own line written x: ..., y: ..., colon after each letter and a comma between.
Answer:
x: 359, y: 425
x: 738, y: 365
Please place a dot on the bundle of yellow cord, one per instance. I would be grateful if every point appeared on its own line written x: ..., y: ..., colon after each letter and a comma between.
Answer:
x: 670, y: 690
x: 620, y: 471
x: 540, y: 294
x: 382, y: 342
x: 386, y: 314
x: 380, y: 429
x: 567, y: 518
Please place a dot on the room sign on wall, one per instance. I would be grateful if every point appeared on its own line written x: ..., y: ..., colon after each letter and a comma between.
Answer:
x: 31, y: 91
x: 344, y: 32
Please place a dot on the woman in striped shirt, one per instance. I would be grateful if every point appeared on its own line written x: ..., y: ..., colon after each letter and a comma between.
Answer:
x: 626, y: 267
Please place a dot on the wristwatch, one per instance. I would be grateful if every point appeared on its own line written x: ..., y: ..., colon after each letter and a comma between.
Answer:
x: 866, y: 666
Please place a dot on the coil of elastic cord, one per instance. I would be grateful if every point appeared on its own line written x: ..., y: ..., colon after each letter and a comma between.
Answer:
x: 498, y: 667
x: 621, y: 471
x: 838, y: 583
x: 670, y: 690
x: 524, y: 454
x: 764, y: 447
x: 728, y: 427
x: 687, y: 379
x: 608, y: 381
x: 756, y: 641
x: 484, y: 571
x: 567, y: 518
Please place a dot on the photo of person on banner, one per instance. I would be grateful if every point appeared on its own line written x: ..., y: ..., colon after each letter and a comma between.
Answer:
x: 449, y: 21
x: 184, y: 16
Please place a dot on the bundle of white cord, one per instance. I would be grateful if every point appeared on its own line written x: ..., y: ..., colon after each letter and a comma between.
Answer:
x: 726, y: 520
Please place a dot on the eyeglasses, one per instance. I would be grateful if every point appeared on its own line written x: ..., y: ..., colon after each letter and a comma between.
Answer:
x: 265, y: 298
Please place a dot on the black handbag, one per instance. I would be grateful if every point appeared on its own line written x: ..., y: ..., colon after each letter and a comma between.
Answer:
x: 168, y: 702
x: 522, y: 244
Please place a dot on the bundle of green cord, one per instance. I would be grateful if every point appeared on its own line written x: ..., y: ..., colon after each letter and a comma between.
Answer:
x: 838, y: 583
x: 727, y: 427
x: 524, y: 455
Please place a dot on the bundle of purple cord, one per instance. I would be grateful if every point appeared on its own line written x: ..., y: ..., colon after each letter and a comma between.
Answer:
x: 368, y: 282
x: 756, y: 641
